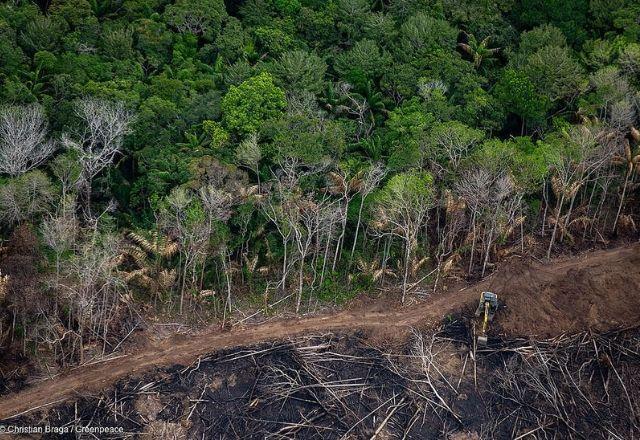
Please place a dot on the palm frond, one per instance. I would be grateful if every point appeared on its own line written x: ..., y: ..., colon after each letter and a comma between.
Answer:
x: 250, y: 264
x: 416, y: 264
x: 166, y: 279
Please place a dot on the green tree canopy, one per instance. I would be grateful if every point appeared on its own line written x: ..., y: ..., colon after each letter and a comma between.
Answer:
x: 246, y: 106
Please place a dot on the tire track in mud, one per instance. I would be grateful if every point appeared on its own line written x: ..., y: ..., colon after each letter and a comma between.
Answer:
x: 513, y: 280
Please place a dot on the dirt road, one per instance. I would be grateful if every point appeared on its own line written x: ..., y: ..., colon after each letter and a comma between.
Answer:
x: 598, y: 289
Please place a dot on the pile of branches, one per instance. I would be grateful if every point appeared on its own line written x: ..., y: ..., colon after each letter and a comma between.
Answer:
x: 580, y: 386
x: 337, y: 387
x: 324, y: 387
x: 327, y: 387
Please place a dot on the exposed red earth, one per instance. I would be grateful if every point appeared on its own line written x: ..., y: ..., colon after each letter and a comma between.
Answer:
x: 597, y: 290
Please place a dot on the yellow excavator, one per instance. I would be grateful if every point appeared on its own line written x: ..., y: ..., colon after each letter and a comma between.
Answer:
x: 486, y: 311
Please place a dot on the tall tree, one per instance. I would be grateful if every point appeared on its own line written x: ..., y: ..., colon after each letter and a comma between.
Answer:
x: 99, y: 139
x: 401, y: 210
x: 24, y: 142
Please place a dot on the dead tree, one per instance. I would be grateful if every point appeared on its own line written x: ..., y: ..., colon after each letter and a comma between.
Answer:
x: 357, y: 106
x: 345, y: 185
x: 94, y: 292
x: 493, y: 200
x: 99, y: 140
x: 588, y: 149
x: 473, y: 188
x: 217, y: 204
x: 370, y: 181
x: 402, y: 211
x: 59, y: 232
x: 23, y: 139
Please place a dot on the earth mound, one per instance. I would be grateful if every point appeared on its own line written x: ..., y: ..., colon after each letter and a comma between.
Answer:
x: 598, y: 291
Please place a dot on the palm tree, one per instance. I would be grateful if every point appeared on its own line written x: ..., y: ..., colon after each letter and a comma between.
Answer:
x: 479, y: 51
x: 148, y: 254
x: 375, y: 270
x: 630, y: 159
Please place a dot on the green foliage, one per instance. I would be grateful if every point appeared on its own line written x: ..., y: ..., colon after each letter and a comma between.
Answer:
x: 555, y: 74
x: 425, y: 91
x: 233, y: 41
x: 77, y: 13
x: 25, y: 197
x: 539, y: 37
x: 362, y: 63
x: 307, y: 138
x: 198, y: 17
x: 528, y: 162
x: 274, y: 39
x: 334, y: 290
x: 421, y: 36
x: 153, y: 41
x: 518, y: 95
x: 217, y: 135
x: 246, y: 106
x: 571, y: 16
x: 449, y: 142
x: 406, y: 193
x: 299, y: 71
x: 43, y: 33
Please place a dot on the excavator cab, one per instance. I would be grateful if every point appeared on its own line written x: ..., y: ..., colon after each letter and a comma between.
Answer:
x: 486, y: 311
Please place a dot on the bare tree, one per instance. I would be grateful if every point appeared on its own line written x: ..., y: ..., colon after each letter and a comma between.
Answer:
x: 402, y: 211
x: 454, y: 140
x: 358, y: 107
x: 104, y: 125
x: 217, y: 204
x: 494, y: 200
x: 23, y: 139
x: 504, y: 202
x: 59, y: 232
x: 328, y: 219
x: 273, y: 210
x: 370, y: 181
x: 24, y: 197
x: 588, y: 149
x: 346, y: 185
x: 303, y: 215
x: 93, y: 289
x: 473, y: 188
x: 283, y: 192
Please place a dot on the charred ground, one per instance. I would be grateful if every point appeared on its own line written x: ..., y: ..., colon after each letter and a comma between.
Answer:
x: 409, y: 372
x: 339, y: 386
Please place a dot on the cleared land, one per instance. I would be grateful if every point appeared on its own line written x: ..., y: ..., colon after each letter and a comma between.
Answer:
x: 598, y: 290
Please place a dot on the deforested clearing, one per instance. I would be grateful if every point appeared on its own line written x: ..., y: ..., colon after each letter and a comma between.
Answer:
x: 320, y: 218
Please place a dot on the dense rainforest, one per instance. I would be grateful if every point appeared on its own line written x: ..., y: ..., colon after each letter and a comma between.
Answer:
x: 198, y: 157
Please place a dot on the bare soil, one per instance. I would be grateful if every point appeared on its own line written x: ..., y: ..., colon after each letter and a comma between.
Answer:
x: 599, y: 290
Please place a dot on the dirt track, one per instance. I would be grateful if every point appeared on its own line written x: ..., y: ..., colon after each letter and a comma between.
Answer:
x: 598, y: 290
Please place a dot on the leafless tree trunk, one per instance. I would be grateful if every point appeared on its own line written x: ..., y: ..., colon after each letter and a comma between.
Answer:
x: 370, y: 182
x: 104, y: 125
x: 23, y: 139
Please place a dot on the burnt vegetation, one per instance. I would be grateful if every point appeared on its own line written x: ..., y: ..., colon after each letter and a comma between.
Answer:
x: 203, y: 161
x: 336, y: 386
